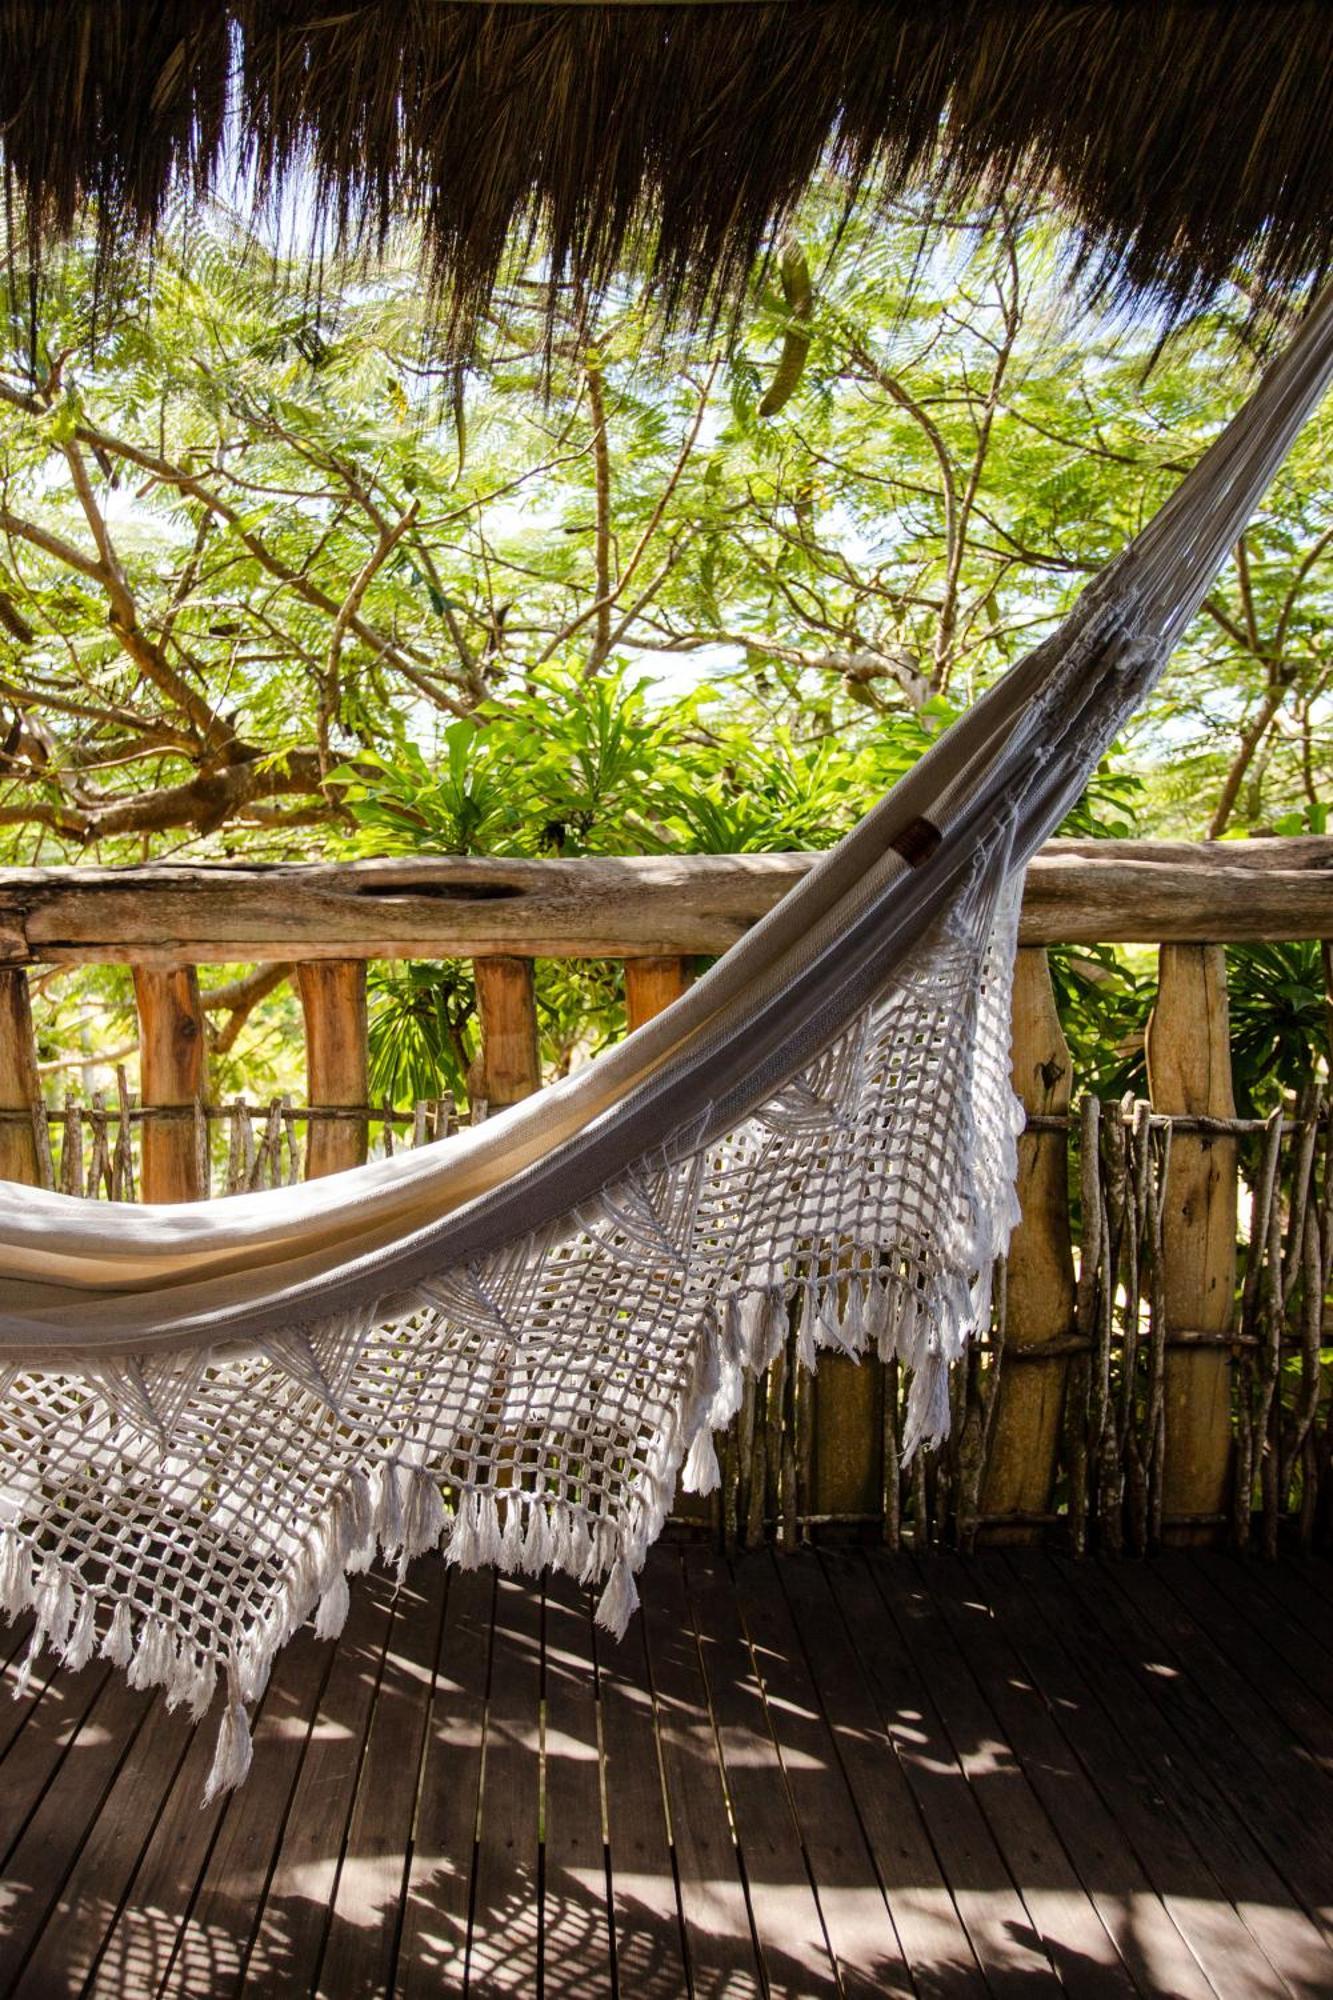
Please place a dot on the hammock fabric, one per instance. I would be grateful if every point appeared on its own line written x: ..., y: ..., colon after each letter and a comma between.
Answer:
x: 512, y: 1342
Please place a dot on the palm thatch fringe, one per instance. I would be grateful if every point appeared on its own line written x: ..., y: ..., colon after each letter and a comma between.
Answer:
x: 1186, y: 137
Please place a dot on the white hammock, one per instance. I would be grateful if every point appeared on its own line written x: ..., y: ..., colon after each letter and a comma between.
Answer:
x: 510, y: 1342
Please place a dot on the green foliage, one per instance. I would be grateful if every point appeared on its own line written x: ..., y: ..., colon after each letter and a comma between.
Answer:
x: 419, y: 614
x: 1279, y: 1008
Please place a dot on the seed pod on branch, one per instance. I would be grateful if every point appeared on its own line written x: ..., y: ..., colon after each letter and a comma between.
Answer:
x: 799, y: 295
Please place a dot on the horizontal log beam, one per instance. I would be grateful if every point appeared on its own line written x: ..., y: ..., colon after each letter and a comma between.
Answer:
x: 1078, y: 892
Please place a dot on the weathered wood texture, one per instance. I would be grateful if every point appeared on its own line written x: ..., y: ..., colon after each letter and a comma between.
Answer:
x: 24, y: 1151
x: 650, y: 985
x: 172, y: 1045
x: 510, y: 1064
x: 840, y: 1775
x: 1039, y: 1284
x: 1189, y: 1070
x: 333, y: 1002
x: 1077, y: 893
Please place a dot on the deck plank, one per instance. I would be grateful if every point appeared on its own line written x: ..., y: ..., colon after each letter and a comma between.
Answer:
x: 504, y: 1943
x: 1115, y: 1881
x: 649, y: 1938
x: 1006, y: 1775
x: 999, y: 1925
x: 137, y: 1952
x: 432, y: 1951
x: 82, y: 1747
x: 85, y: 1912
x: 788, y: 1922
x: 209, y: 1950
x: 1120, y: 1743
x: 576, y: 1918
x: 294, y: 1906
x: 864, y: 1944
x: 1064, y: 1917
x: 1273, y: 1855
x: 362, y: 1942
x: 925, y: 1916
x: 719, y: 1937
x: 1248, y: 1606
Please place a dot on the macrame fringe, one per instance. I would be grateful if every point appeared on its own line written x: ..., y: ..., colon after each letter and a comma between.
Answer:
x: 235, y: 1751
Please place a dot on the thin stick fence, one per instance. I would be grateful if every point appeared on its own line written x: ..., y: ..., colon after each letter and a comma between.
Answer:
x: 1159, y: 1359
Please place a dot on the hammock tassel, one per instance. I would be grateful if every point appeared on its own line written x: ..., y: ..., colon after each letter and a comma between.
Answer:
x: 334, y: 1606
x: 807, y: 1335
x: 15, y: 1575
x: 423, y: 1516
x: 511, y: 1542
x: 232, y: 1758
x: 619, y: 1601
x: 388, y: 1506
x: 54, y: 1603
x: 702, y: 1473
x: 118, y: 1645
x: 536, y: 1540
x: 82, y: 1641
x: 154, y: 1662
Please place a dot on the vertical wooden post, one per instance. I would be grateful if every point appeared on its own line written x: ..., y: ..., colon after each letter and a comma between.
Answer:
x: 1039, y: 1288
x: 24, y: 1154
x: 650, y: 985
x: 333, y: 1001
x: 171, y: 1074
x: 510, y: 1064
x: 1189, y: 1071
x: 847, y: 1418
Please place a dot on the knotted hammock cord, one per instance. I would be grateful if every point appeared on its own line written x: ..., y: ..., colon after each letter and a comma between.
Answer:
x: 511, y: 1343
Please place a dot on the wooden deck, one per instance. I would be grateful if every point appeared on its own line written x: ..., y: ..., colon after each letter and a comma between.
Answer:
x: 833, y: 1772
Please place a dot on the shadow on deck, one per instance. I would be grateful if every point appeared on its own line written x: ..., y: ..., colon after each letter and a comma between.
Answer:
x: 819, y: 1774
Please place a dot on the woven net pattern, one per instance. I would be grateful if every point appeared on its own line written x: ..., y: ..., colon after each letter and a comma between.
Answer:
x: 185, y: 1514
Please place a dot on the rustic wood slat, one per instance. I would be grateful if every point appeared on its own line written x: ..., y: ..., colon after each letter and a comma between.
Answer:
x: 432, y: 1951
x: 46, y: 1722
x: 634, y: 906
x: 510, y: 1065
x: 223, y: 1901
x: 1233, y: 1738
x: 1117, y: 1886
x: 1136, y: 1787
x: 1189, y: 1069
x: 1272, y: 1656
x: 650, y: 985
x: 23, y: 1153
x: 1039, y: 1270
x: 504, y: 1945
x: 646, y: 1913
x: 36, y: 1866
x: 293, y: 1918
x: 576, y: 1920
x: 91, y: 1897
x: 906, y: 1863
x: 171, y: 1075
x: 718, y: 1932
x: 333, y: 1003
x: 786, y: 1915
x: 1294, y: 1619
x: 138, y: 1951
x: 1063, y: 1916
x: 860, y: 1932
x: 997, y: 1921
x: 364, y: 1921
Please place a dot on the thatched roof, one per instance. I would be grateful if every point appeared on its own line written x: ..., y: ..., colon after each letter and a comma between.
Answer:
x: 1186, y: 138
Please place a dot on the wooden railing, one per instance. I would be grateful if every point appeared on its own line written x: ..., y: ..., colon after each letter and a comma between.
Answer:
x: 1148, y: 1375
